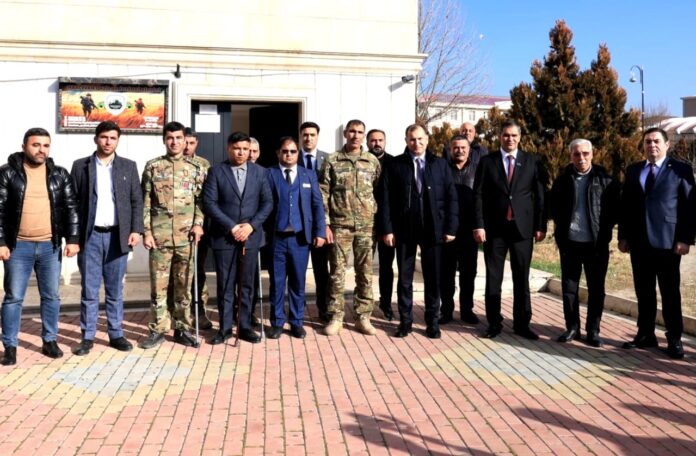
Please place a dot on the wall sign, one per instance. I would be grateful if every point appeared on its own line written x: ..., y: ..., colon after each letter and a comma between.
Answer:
x: 136, y: 105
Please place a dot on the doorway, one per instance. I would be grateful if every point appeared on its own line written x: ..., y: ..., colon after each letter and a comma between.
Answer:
x: 214, y: 121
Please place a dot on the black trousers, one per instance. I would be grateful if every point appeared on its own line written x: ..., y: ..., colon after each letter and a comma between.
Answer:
x: 594, y: 259
x: 227, y: 264
x: 430, y: 265
x: 462, y: 256
x: 386, y: 256
x: 320, y: 269
x: 495, y: 249
x: 649, y: 265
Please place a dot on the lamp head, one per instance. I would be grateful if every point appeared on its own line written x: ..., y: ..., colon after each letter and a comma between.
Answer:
x: 633, y: 77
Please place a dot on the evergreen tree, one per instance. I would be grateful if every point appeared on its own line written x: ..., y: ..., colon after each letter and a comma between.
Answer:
x: 564, y: 103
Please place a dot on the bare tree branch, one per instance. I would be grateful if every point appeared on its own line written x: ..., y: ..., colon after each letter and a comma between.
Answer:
x: 453, y: 66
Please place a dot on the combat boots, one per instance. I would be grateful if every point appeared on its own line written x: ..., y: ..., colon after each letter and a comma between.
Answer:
x: 364, y: 326
x: 335, y: 326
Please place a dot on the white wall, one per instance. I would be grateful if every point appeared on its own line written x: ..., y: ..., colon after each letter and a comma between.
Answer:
x: 29, y: 91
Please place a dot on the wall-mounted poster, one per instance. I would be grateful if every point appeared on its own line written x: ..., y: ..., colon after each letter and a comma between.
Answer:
x: 137, y: 106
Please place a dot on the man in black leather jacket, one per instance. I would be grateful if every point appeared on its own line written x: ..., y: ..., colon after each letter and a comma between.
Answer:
x: 38, y: 209
x: 584, y: 206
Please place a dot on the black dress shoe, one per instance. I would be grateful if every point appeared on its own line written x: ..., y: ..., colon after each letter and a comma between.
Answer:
x: 52, y: 350
x: 121, y: 344
x: 470, y: 318
x: 387, y: 311
x: 84, y: 348
x: 571, y: 334
x: 445, y: 319
x: 220, y: 337
x: 185, y: 338
x: 593, y: 339
x: 641, y: 341
x: 10, y: 356
x: 403, y: 330
x: 274, y: 332
x: 492, y: 332
x: 151, y: 341
x: 249, y: 335
x: 675, y: 349
x: 297, y: 331
x: 433, y: 332
x: 527, y: 333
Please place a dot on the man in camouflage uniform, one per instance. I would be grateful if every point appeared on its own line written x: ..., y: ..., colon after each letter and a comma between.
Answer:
x: 172, y: 186
x: 347, y: 184
x: 202, y: 298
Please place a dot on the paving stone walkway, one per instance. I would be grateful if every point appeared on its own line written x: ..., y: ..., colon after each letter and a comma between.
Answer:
x: 352, y: 394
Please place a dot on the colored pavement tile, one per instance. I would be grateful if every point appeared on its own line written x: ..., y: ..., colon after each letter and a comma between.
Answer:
x: 352, y: 394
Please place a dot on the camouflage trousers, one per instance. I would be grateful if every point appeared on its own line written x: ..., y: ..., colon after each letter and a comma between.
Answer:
x: 170, y: 265
x: 345, y: 240
x: 202, y: 286
x: 202, y: 297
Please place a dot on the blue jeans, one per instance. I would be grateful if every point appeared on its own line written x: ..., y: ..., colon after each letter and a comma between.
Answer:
x: 45, y: 261
x: 102, y: 258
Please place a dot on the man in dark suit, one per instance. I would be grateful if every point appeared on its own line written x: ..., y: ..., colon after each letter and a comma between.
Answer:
x: 111, y: 213
x: 509, y: 213
x: 237, y: 198
x: 376, y: 142
x: 313, y: 159
x: 296, y: 223
x: 418, y: 207
x: 657, y: 227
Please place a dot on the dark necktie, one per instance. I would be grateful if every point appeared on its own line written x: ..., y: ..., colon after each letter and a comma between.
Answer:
x: 287, y: 177
x: 419, y: 174
x: 309, y: 162
x: 650, y: 179
x: 511, y: 171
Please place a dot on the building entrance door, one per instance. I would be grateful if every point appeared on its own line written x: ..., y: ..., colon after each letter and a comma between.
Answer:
x: 267, y: 122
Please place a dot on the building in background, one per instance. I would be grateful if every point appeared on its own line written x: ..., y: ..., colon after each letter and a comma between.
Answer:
x: 259, y: 67
x: 456, y: 109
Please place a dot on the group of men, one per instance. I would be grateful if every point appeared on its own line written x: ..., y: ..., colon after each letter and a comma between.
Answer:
x: 326, y: 206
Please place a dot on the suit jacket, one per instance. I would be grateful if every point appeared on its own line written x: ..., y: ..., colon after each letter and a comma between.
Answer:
x: 395, y: 197
x: 493, y: 194
x: 321, y: 158
x: 311, y: 204
x: 128, y: 197
x: 227, y: 206
x: 666, y: 215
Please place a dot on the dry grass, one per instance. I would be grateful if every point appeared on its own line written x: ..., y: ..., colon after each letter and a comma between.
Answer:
x: 619, y: 276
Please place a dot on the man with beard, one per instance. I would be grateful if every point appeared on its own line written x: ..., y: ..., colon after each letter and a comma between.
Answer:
x: 376, y: 142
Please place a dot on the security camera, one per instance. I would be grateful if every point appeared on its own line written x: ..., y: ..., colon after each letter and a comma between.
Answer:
x: 408, y: 78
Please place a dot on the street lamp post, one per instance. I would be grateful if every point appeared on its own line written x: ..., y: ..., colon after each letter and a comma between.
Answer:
x: 642, y: 93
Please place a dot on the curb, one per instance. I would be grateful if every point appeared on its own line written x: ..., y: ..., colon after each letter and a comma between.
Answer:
x: 618, y: 304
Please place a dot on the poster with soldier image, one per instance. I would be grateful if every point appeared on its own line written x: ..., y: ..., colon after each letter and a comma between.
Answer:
x: 137, y: 106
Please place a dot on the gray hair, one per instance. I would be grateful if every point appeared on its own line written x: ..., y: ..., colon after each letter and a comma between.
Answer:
x: 579, y: 142
x: 253, y: 140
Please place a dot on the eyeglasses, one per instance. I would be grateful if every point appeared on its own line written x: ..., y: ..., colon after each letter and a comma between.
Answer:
x: 288, y: 151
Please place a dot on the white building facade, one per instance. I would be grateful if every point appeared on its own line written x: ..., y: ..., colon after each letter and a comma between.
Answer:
x: 261, y: 67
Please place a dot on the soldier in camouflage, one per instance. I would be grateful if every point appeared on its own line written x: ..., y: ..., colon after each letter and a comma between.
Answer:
x: 347, y: 185
x: 172, y: 186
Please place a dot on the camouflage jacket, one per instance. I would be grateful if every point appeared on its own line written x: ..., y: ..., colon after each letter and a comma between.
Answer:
x: 347, y: 186
x: 172, y: 196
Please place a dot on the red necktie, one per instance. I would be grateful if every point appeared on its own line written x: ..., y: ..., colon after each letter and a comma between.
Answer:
x: 511, y: 171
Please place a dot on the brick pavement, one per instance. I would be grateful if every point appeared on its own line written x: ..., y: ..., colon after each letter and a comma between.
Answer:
x: 352, y: 394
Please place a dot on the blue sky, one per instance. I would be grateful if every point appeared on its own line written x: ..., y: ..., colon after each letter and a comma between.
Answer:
x: 659, y: 36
